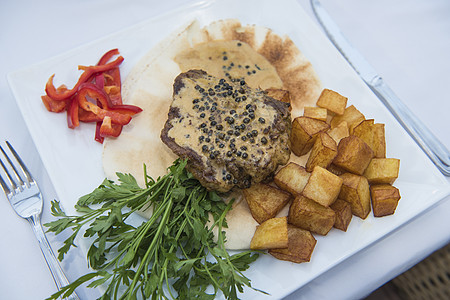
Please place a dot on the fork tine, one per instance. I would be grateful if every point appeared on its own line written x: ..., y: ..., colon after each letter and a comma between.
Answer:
x: 8, y: 175
x: 5, y: 187
x: 22, y: 165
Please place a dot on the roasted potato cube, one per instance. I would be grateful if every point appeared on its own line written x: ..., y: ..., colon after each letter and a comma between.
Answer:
x: 373, y: 135
x: 379, y: 141
x: 351, y: 115
x: 292, y: 178
x: 354, y: 155
x: 336, y: 170
x: 382, y: 170
x: 385, y: 198
x: 310, y: 215
x: 271, y: 234
x: 265, y: 201
x: 355, y: 190
x: 322, y: 153
x: 365, y: 132
x: 304, y: 132
x: 300, y: 247
x: 280, y: 95
x: 323, y: 186
x: 318, y: 113
x: 332, y: 101
x: 339, y: 132
x: 343, y: 213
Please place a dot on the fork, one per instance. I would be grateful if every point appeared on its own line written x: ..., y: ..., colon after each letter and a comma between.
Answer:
x: 25, y: 197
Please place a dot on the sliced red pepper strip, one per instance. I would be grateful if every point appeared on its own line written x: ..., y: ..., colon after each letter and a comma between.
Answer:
x: 52, y: 105
x: 107, y: 128
x: 107, y: 56
x: 98, y: 137
x: 87, y: 116
x: 53, y: 93
x: 93, y: 92
x: 72, y: 113
x: 126, y: 109
x: 104, y: 102
x: 111, y: 82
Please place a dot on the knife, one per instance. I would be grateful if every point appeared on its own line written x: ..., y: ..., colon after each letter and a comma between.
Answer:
x: 435, y: 150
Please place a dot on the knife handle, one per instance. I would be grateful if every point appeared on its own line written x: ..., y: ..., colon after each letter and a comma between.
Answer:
x: 429, y: 143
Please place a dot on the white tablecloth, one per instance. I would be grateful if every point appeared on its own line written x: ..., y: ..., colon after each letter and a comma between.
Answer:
x: 407, y: 41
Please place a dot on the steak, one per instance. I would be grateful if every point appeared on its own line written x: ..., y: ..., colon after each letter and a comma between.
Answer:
x: 231, y: 134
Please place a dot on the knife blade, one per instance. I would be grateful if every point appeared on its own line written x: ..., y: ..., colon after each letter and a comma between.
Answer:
x: 429, y: 143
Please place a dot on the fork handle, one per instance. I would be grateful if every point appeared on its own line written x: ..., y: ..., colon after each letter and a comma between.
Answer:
x: 53, y: 264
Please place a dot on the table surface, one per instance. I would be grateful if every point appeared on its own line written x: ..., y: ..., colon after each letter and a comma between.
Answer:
x: 406, y: 41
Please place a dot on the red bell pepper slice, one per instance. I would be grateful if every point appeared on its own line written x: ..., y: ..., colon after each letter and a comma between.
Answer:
x: 104, y: 102
x: 55, y: 105
x: 53, y: 93
x: 90, y: 90
x: 111, y: 79
x: 107, y: 128
x: 107, y: 56
x: 73, y: 120
x: 96, y: 97
x: 97, y: 136
x: 87, y: 116
x: 52, y: 105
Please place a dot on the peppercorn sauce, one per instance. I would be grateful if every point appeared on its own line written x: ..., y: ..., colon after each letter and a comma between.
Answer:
x: 233, y: 135
x: 231, y: 59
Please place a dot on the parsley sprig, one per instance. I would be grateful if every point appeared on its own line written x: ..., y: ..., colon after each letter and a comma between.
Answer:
x: 171, y: 255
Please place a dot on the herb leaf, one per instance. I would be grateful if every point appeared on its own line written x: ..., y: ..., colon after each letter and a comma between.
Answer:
x: 171, y: 255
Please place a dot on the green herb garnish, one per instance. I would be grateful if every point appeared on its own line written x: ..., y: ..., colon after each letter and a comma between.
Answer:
x: 171, y: 255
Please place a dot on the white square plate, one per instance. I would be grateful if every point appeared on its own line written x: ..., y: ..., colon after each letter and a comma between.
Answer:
x: 73, y: 159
